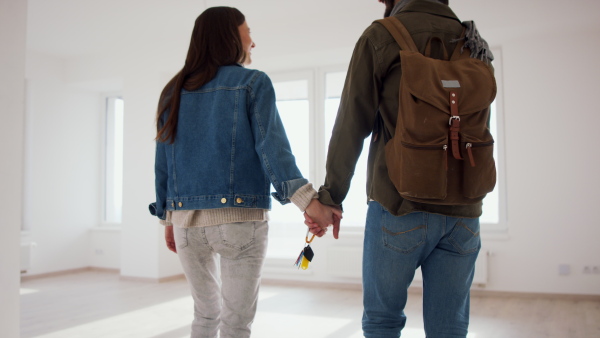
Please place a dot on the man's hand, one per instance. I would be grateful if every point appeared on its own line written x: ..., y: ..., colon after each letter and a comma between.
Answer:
x: 318, y: 217
x: 170, y: 238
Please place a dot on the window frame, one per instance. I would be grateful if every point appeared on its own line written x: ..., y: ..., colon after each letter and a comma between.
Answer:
x: 499, y: 230
x: 105, y: 99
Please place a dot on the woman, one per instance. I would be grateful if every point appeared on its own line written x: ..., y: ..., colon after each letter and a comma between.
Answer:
x: 220, y: 145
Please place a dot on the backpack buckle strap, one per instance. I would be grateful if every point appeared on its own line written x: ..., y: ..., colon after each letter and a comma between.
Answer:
x: 454, y: 125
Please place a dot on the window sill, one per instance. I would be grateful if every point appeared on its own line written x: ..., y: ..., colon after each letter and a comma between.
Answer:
x: 495, y: 236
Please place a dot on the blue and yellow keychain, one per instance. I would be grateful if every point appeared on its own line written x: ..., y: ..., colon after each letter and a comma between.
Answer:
x: 306, y: 255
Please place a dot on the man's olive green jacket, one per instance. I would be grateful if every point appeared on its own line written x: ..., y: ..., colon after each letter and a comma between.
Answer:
x: 369, y: 106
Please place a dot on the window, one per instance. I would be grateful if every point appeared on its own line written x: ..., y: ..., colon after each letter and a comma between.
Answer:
x: 494, y: 215
x: 113, y: 160
x: 294, y: 106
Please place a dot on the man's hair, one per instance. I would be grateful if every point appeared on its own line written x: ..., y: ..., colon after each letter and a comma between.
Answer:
x: 389, y: 6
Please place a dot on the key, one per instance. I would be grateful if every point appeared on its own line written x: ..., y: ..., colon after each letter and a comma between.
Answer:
x: 306, y: 255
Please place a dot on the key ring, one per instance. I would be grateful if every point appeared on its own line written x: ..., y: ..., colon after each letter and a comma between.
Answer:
x: 311, y: 239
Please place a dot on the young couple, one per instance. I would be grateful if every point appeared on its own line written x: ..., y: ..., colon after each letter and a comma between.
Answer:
x: 221, y: 145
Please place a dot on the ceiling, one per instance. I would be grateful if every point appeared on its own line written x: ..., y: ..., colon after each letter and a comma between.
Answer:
x: 76, y: 28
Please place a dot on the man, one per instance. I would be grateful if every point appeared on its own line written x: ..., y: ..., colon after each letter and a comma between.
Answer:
x: 401, y: 235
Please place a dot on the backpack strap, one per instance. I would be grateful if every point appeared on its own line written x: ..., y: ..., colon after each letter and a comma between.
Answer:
x: 400, y: 33
x: 428, y: 47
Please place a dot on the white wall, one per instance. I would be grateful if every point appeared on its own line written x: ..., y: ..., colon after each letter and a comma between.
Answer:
x: 551, y: 146
x: 63, y: 166
x: 552, y: 142
x: 105, y: 248
x: 13, y: 17
x: 144, y: 253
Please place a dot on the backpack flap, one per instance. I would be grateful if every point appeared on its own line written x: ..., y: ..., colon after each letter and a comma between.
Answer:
x: 431, y: 80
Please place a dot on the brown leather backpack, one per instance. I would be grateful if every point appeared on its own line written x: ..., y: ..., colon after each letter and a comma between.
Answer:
x: 442, y: 150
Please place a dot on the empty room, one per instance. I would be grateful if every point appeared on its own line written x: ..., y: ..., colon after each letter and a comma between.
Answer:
x: 82, y: 255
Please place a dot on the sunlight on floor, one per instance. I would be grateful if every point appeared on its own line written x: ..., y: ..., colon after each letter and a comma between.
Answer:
x: 292, y: 326
x: 27, y: 291
x: 266, y: 294
x: 153, y: 320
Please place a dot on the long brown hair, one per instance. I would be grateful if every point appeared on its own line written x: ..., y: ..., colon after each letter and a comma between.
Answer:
x: 215, y: 42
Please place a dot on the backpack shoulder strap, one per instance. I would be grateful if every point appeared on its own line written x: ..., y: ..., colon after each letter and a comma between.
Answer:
x: 400, y: 33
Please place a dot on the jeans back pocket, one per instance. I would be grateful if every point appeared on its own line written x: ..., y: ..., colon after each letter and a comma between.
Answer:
x: 465, y: 237
x: 238, y: 236
x: 404, y: 233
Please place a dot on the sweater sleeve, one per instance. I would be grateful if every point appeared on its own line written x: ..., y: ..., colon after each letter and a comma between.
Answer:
x: 303, y: 196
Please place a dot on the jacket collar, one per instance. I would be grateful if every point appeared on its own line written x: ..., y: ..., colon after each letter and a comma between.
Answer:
x: 430, y: 7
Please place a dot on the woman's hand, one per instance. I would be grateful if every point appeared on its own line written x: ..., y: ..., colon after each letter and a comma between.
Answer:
x: 318, y: 217
x: 170, y: 238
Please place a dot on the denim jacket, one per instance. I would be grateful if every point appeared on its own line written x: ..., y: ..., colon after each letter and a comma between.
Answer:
x: 229, y: 148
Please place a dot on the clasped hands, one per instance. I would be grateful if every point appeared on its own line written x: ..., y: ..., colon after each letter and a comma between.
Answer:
x: 318, y: 217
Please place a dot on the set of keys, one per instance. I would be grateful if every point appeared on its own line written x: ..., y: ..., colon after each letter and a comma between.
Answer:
x: 306, y: 255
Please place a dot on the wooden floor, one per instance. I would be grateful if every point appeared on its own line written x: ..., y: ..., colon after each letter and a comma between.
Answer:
x: 101, y: 304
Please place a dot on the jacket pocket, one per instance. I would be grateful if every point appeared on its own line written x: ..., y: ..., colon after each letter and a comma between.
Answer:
x: 479, y: 169
x: 422, y: 171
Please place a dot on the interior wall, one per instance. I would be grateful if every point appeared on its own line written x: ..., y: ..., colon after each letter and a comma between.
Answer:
x: 142, y: 243
x: 550, y: 112
x: 13, y: 18
x: 63, y: 166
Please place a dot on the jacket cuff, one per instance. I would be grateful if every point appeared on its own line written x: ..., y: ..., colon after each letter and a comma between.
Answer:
x: 288, y: 188
x: 325, y: 198
x: 167, y: 221
x: 154, y: 211
x: 303, y: 196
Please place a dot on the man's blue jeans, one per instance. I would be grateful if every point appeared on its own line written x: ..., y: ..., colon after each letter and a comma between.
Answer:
x: 395, y: 246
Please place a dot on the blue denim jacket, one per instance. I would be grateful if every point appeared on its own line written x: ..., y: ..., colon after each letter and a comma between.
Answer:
x: 230, y: 147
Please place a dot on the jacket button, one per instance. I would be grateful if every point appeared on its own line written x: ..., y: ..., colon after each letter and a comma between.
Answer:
x: 180, y: 204
x: 223, y: 200
x: 239, y: 200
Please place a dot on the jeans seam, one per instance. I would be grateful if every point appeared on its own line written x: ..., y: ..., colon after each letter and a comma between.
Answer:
x: 402, y: 232
x: 457, y: 245
x: 475, y: 234
x: 185, y: 238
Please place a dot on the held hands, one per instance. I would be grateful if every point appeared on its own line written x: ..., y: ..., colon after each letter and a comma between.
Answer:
x: 318, y: 217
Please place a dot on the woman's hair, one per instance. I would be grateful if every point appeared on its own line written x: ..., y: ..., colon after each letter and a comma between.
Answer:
x: 215, y: 42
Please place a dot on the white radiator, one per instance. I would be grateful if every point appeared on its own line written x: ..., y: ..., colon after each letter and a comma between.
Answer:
x: 347, y: 262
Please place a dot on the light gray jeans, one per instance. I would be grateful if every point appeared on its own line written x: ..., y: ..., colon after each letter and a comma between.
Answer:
x: 223, y: 264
